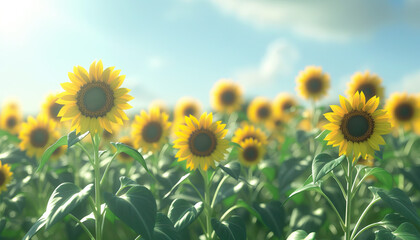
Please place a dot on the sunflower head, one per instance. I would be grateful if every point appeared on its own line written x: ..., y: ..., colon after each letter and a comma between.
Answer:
x: 284, y: 105
x: 369, y: 84
x: 111, y: 136
x: 259, y: 110
x: 186, y: 106
x: 252, y: 152
x: 226, y: 96
x: 277, y: 123
x: 404, y: 110
x: 201, y: 142
x: 312, y: 83
x: 93, y: 100
x: 51, y: 108
x: 124, y: 157
x: 249, y: 132
x: 60, y: 151
x: 161, y: 105
x: 5, y: 176
x: 37, y: 135
x: 11, y: 117
x: 150, y: 130
x: 357, y: 126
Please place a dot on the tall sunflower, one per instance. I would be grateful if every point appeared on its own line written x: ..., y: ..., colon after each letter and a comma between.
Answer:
x: 312, y: 83
x: 249, y: 131
x: 369, y: 84
x: 11, y: 118
x: 284, y: 105
x: 201, y: 142
x: 37, y: 135
x: 187, y: 106
x: 93, y: 100
x: 124, y: 157
x: 150, y: 131
x: 357, y: 126
x: 5, y: 176
x: 226, y: 96
x: 259, y: 110
x: 51, y: 108
x: 252, y: 152
x: 404, y: 110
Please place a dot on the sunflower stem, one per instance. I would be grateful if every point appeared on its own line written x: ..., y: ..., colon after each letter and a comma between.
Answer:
x: 207, y: 200
x: 347, y: 222
x: 96, y: 167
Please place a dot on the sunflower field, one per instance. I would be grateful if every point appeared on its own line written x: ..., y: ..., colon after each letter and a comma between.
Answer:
x: 283, y: 168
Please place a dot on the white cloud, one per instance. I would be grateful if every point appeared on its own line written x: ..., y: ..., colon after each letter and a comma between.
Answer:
x: 323, y: 20
x: 278, y: 60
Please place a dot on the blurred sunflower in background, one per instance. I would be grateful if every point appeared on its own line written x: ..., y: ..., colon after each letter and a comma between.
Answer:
x: 226, y: 96
x: 187, y: 106
x: 259, y: 110
x: 201, y: 142
x: 37, y: 135
x: 113, y: 135
x: 51, y: 108
x: 284, y: 105
x: 93, y: 100
x: 5, y: 176
x: 357, y: 126
x: 249, y: 131
x: 404, y: 110
x: 161, y: 105
x: 369, y: 84
x: 150, y: 131
x: 312, y: 83
x: 11, y: 117
x: 60, y: 151
x: 124, y: 157
x: 252, y: 152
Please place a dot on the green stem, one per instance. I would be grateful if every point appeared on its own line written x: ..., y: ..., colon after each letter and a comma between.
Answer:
x: 217, y: 190
x: 374, y: 200
x: 339, y: 184
x: 86, y: 152
x: 367, y: 227
x: 96, y: 167
x: 347, y: 223
x: 342, y: 224
x: 83, y: 226
x: 207, y: 207
x: 195, y: 189
x: 107, y: 168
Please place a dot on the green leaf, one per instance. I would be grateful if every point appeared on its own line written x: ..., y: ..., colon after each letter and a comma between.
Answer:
x: 232, y: 229
x: 269, y: 170
x: 10, y: 137
x: 400, y: 202
x: 181, y: 180
x: 164, y: 230
x: 235, y: 145
x: 322, y: 135
x: 182, y: 213
x: 301, y: 235
x: 413, y: 175
x: 233, y: 169
x: 73, y: 138
x: 405, y: 231
x: 273, y: 216
x: 121, y: 147
x: 136, y: 208
x: 324, y: 164
x: 381, y: 174
x: 227, y: 190
x: 47, y: 154
x: 307, y: 187
x: 241, y: 203
x: 126, y: 182
x: 2, y: 224
x: 63, y: 200
x: 392, y: 221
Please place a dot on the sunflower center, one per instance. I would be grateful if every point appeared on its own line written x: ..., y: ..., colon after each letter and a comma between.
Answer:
x: 228, y: 97
x: 314, y: 85
x: 202, y: 142
x: 11, y: 122
x: 278, y: 123
x: 368, y: 89
x: 152, y: 132
x: 404, y: 112
x: 263, y: 112
x: 2, y: 178
x: 107, y: 135
x: 95, y: 99
x: 189, y: 111
x: 39, y: 137
x: 250, y: 154
x: 54, y: 110
x: 357, y: 126
x: 287, y: 106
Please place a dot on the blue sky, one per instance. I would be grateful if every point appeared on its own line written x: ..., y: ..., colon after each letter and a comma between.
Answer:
x: 173, y: 48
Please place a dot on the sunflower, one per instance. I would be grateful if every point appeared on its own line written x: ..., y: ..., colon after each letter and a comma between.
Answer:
x: 312, y: 83
x: 150, y: 131
x: 51, y: 108
x: 93, y: 100
x: 226, y: 96
x: 259, y: 110
x: 11, y: 119
x: 249, y: 131
x: 284, y: 105
x: 124, y: 157
x: 252, y: 152
x: 160, y: 104
x: 357, y: 126
x: 5, y: 176
x: 187, y: 106
x: 37, y: 135
x: 111, y: 136
x: 404, y: 110
x: 201, y: 142
x: 369, y: 84
x: 277, y: 123
x: 60, y: 151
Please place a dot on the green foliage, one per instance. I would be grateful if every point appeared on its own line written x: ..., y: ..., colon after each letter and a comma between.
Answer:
x: 182, y: 213
x: 405, y: 231
x: 272, y: 215
x: 232, y: 229
x: 324, y: 164
x: 301, y: 235
x: 122, y: 148
x: 50, y: 150
x: 233, y: 169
